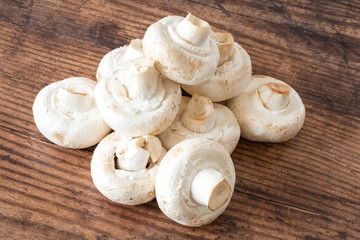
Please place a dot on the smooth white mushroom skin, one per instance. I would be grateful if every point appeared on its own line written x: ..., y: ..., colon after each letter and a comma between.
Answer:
x: 65, y: 112
x: 232, y: 75
x: 210, y: 188
x: 195, y: 181
x: 137, y: 100
x: 199, y: 117
x: 124, y: 169
x: 269, y: 110
x: 182, y: 49
x: 109, y: 63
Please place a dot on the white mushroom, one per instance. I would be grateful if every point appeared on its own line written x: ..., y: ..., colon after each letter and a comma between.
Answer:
x: 182, y: 49
x: 65, y: 113
x: 195, y: 181
x: 232, y: 74
x: 137, y: 100
x: 268, y: 111
x: 109, y: 63
x: 123, y: 169
x: 199, y: 117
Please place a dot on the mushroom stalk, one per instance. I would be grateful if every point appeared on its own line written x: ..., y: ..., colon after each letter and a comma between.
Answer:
x: 146, y: 80
x: 134, y: 50
x: 274, y: 96
x: 225, y: 43
x: 199, y: 115
x: 210, y: 188
x: 193, y: 30
x: 72, y: 101
x: 134, y: 158
x: 138, y: 153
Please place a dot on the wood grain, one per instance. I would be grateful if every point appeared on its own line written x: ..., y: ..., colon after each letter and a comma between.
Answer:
x: 306, y: 188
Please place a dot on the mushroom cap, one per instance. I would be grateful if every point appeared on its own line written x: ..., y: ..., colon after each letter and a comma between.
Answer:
x: 109, y: 62
x: 122, y: 186
x: 112, y: 59
x: 65, y: 112
x: 229, y: 79
x: 176, y: 173
x: 136, y: 117
x: 176, y: 58
x: 226, y: 130
x: 257, y: 122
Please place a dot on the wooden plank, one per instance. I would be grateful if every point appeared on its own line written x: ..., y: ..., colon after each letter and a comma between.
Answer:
x: 306, y: 188
x: 49, y: 188
x: 314, y: 47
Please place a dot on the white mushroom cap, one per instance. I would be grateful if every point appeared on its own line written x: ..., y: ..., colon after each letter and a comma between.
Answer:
x: 182, y: 49
x: 232, y: 74
x: 109, y: 63
x: 268, y: 110
x: 199, y: 117
x: 137, y: 100
x: 65, y: 112
x: 123, y: 169
x: 195, y: 181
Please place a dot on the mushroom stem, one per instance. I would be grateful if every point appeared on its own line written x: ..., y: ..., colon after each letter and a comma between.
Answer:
x: 199, y: 115
x: 210, y: 188
x: 146, y: 80
x: 134, y: 157
x: 72, y: 100
x: 134, y: 50
x: 274, y: 96
x: 193, y: 30
x: 225, y: 43
x: 139, y: 152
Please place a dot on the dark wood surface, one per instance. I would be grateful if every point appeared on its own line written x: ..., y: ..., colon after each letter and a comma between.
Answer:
x: 306, y: 188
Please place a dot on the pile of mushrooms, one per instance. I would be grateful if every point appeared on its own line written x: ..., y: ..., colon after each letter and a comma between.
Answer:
x: 165, y: 145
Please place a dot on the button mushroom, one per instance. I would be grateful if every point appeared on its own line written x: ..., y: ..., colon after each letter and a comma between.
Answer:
x: 268, y: 110
x: 232, y: 74
x: 182, y: 49
x: 195, y: 181
x: 108, y: 64
x: 199, y: 117
x: 137, y: 100
x: 65, y: 112
x: 123, y: 169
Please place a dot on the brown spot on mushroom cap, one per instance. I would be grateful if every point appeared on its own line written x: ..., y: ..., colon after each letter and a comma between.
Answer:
x: 223, y: 84
x: 59, y: 137
x: 177, y: 151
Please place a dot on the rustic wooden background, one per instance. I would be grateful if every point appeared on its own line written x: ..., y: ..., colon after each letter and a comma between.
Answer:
x: 307, y: 188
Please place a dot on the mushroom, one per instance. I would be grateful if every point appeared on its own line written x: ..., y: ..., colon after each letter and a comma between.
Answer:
x: 65, y: 113
x: 182, y: 48
x: 195, y: 181
x: 269, y: 110
x: 123, y: 169
x: 137, y: 100
x: 108, y: 64
x: 232, y: 74
x: 199, y: 117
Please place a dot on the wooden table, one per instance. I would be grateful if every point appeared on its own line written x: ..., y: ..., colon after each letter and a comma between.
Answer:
x: 306, y: 188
